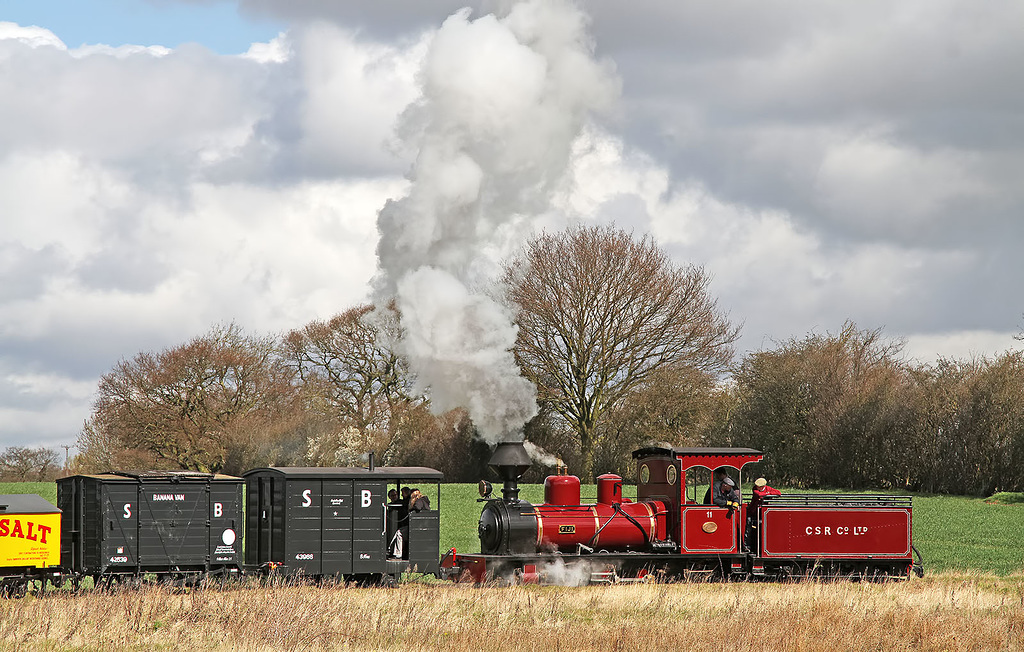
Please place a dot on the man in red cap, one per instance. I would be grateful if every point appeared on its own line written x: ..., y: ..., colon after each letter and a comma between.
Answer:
x: 761, y: 489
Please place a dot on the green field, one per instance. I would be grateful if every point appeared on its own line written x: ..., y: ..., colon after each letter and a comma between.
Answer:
x: 47, y: 490
x: 952, y: 533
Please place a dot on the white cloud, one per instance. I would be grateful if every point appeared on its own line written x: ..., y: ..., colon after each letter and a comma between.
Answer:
x: 42, y: 409
x: 278, y: 50
x: 32, y: 36
x: 120, y: 51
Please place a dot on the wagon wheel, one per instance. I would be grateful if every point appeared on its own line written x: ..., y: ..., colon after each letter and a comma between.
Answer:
x: 788, y: 572
x: 14, y: 590
x: 817, y: 571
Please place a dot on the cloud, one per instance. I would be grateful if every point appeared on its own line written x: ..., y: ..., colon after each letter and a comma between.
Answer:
x: 32, y: 36
x: 824, y: 161
x: 147, y: 194
x: 862, y: 121
x: 148, y: 114
x: 332, y: 107
x: 960, y: 345
x: 780, y: 279
x: 45, y: 409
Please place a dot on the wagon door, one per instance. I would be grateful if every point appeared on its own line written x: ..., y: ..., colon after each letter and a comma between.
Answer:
x: 264, y: 520
x: 424, y: 540
x: 337, y: 527
x: 303, y: 499
x: 225, y: 523
x: 368, y: 526
x: 120, y: 523
x: 173, y: 532
x: 710, y: 529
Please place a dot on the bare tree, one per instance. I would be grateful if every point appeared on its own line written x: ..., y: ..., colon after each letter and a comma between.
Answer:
x: 600, y: 312
x: 189, y: 406
x: 355, y: 380
x: 23, y: 464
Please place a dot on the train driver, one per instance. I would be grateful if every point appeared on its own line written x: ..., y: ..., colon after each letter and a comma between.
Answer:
x: 716, y: 486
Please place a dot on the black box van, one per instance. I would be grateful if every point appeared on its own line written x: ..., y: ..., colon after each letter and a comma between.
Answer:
x: 321, y: 521
x: 171, y: 523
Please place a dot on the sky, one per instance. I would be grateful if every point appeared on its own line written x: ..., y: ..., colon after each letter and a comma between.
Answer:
x: 170, y: 165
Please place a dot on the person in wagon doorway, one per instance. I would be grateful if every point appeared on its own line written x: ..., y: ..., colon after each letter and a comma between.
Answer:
x: 418, y: 501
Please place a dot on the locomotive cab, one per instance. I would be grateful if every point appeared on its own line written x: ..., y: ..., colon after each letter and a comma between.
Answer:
x: 682, y: 477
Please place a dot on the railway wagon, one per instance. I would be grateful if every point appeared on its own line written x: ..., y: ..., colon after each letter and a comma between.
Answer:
x: 175, y: 524
x: 29, y: 542
x: 338, y: 522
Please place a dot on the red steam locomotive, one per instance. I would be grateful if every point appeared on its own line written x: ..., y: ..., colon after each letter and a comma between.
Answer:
x: 671, y: 532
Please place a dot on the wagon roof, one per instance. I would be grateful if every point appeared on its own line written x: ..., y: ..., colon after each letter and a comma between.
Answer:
x: 333, y: 472
x: 156, y: 476
x: 26, y: 504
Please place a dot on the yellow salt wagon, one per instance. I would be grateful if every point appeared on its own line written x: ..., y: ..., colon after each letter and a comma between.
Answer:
x: 29, y: 542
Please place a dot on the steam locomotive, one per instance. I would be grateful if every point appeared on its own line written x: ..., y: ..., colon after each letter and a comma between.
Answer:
x: 671, y: 533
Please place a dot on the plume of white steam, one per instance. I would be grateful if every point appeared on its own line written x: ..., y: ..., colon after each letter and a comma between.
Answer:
x: 502, y: 101
x: 541, y: 456
x: 559, y: 573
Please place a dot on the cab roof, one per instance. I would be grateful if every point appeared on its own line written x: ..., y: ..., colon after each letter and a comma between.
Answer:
x: 709, y: 457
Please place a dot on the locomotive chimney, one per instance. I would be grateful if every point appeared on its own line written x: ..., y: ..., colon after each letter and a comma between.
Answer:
x: 510, y: 461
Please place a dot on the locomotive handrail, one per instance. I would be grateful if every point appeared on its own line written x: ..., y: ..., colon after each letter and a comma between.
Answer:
x: 838, y: 500
x: 617, y: 509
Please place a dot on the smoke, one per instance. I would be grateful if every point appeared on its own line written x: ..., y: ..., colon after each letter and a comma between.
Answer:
x: 503, y: 100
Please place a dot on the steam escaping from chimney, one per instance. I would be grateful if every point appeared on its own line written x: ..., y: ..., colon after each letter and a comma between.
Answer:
x: 502, y: 101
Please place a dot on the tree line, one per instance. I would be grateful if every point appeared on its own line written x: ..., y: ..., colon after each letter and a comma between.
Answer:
x: 846, y: 409
x: 624, y: 348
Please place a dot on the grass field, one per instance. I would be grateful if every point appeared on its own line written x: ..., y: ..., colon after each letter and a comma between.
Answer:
x: 953, y: 533
x: 47, y: 490
x: 950, y: 612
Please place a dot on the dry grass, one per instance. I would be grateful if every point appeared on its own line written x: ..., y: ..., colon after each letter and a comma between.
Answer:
x: 953, y: 612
